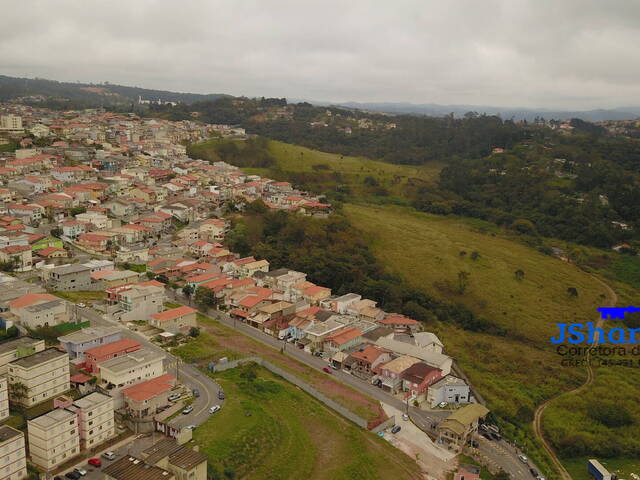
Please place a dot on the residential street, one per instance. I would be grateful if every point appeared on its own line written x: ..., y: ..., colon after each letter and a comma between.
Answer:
x: 187, y: 374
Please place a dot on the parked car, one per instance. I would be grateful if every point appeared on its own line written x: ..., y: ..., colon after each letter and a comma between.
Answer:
x: 196, y: 392
x: 173, y: 397
x: 95, y: 462
x: 327, y: 370
x: 81, y: 305
x: 187, y: 410
x: 396, y: 429
x: 72, y: 475
x: 495, y: 436
x: 109, y: 455
x: 523, y: 459
x: 220, y: 395
x: 405, y: 417
x: 333, y: 366
x: 80, y: 471
x: 214, y: 409
x: 442, y: 404
x: 191, y: 427
x: 487, y: 435
x: 534, y: 472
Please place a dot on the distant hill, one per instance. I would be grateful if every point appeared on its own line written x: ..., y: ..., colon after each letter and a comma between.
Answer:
x: 92, y: 94
x: 436, y: 110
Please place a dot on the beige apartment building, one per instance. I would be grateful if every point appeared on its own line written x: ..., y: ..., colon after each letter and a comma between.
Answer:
x: 13, y: 458
x: 38, y: 377
x: 17, y: 348
x: 53, y: 438
x: 95, y: 419
x: 4, y: 399
x: 130, y: 369
x: 140, y: 301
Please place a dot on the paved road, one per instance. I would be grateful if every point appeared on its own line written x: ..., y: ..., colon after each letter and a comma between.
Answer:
x: 187, y: 374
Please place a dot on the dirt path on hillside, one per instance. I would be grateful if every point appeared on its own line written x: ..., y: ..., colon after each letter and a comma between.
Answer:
x: 612, y: 300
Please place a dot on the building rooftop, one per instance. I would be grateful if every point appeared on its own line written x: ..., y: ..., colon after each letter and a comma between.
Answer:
x: 73, y: 268
x: 173, y: 313
x: 149, y: 389
x: 11, y: 345
x: 39, y: 358
x: 52, y: 418
x: 132, y: 468
x: 180, y: 456
x: 8, y: 433
x: 113, y: 347
x: 92, y: 400
x: 88, y: 334
x: 130, y: 360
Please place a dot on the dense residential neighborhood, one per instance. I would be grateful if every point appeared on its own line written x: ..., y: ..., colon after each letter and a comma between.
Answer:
x: 109, y: 207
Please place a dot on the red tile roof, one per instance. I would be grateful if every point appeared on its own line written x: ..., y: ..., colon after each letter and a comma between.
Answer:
x: 173, y: 313
x: 30, y: 299
x: 149, y: 389
x: 125, y: 344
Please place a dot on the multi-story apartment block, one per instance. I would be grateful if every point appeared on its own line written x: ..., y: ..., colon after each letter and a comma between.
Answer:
x: 17, y: 348
x: 95, y: 419
x: 13, y: 461
x: 53, y: 438
x: 77, y: 343
x: 38, y: 377
x: 10, y: 122
x: 70, y: 277
x: 4, y: 401
x: 139, y: 301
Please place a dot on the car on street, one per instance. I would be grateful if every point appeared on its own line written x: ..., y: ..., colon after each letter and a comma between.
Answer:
x: 81, y: 305
x: 191, y: 427
x: 80, y: 471
x: 214, y: 409
x: 72, y: 475
x: 109, y: 455
x: 396, y: 429
x: 173, y: 397
x: 220, y: 395
x: 534, y: 472
x: 405, y: 417
x: 187, y: 410
x: 95, y: 462
x: 487, y: 435
x: 523, y: 459
x: 327, y: 370
x: 196, y: 392
x: 442, y: 404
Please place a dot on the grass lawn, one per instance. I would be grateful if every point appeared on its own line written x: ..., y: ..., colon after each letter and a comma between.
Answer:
x: 171, y: 305
x: 69, y: 327
x: 82, y: 296
x: 268, y: 429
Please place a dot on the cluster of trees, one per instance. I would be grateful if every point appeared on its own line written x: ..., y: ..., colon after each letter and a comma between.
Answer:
x: 573, y: 191
x: 334, y: 254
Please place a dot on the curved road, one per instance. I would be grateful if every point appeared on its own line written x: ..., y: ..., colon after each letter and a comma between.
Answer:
x: 537, y: 419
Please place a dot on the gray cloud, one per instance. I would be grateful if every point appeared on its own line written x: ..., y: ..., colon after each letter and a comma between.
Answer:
x: 567, y: 54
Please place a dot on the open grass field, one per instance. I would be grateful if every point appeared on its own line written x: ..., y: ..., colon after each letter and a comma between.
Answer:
x: 623, y: 468
x: 268, y: 429
x: 426, y: 250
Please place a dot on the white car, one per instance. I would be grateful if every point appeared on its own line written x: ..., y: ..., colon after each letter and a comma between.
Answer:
x: 405, y: 417
x: 81, y: 305
x: 191, y: 427
x: 523, y: 459
x: 81, y: 471
x: 442, y: 404
x: 173, y: 397
x: 214, y: 409
x: 109, y: 455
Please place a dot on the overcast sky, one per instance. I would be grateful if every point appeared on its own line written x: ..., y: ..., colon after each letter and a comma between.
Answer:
x: 556, y: 54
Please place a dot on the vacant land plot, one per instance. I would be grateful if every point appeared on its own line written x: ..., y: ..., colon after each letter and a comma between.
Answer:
x: 268, y: 429
x: 82, y: 296
x: 217, y: 340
